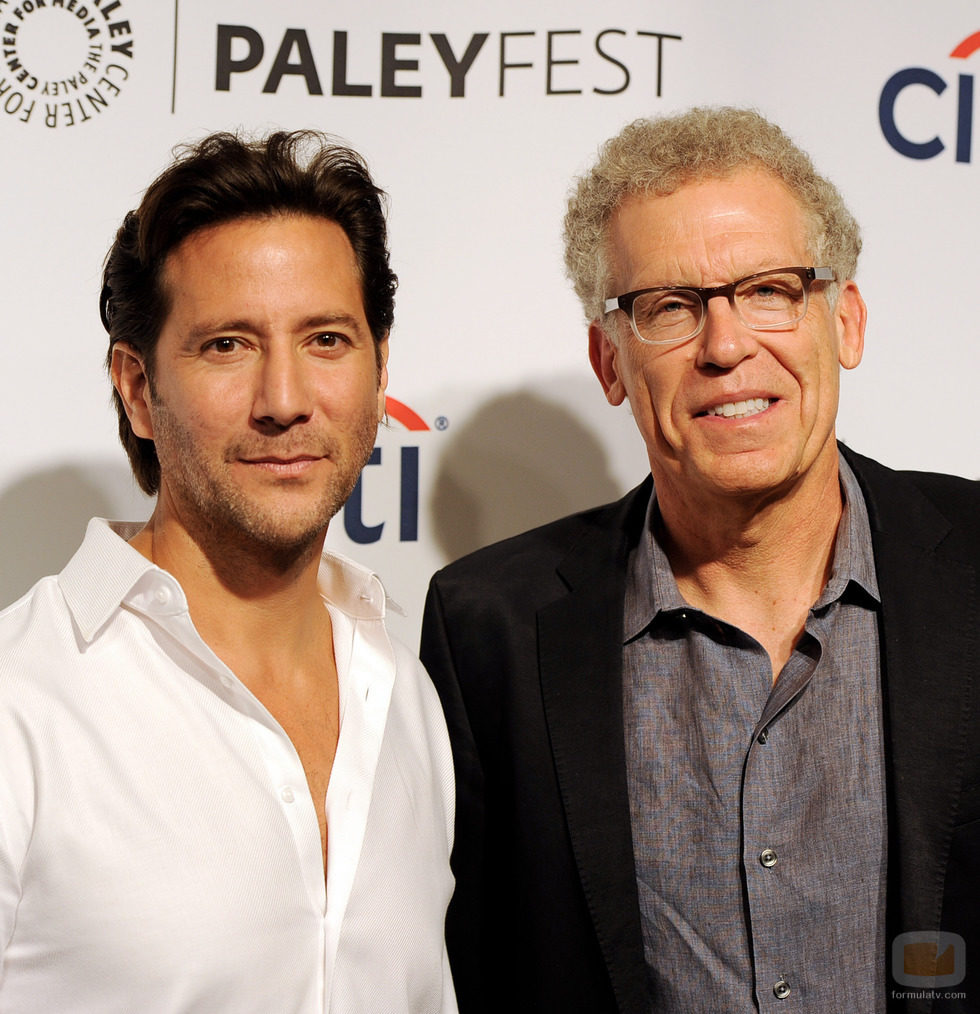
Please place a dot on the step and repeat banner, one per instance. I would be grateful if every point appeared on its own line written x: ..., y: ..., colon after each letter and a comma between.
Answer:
x: 475, y: 118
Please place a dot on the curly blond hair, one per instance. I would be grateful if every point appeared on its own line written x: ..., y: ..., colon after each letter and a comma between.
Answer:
x: 658, y: 156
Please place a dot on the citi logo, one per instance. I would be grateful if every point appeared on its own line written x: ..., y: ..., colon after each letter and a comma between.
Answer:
x: 917, y: 77
x: 405, y: 480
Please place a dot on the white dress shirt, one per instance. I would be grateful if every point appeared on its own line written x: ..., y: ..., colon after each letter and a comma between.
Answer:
x: 159, y: 847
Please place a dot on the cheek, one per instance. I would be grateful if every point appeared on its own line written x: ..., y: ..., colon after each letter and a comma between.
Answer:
x: 192, y: 423
x: 655, y: 388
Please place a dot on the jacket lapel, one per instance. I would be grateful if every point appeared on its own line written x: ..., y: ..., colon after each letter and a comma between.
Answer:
x: 929, y: 610
x: 580, y: 655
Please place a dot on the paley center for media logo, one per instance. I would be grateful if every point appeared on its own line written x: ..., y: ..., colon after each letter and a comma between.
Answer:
x: 63, y: 61
x: 958, y: 102
x: 362, y: 523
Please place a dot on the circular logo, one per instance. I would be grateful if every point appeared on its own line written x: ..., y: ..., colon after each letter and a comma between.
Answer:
x: 64, y: 61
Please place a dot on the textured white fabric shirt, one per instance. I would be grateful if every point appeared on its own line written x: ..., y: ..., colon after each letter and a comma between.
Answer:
x: 159, y: 847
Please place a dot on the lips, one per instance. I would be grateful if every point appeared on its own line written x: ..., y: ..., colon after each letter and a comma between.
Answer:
x: 284, y: 467
x: 740, y: 409
x: 292, y: 460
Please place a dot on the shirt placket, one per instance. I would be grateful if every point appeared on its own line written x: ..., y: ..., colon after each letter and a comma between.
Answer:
x: 770, y: 843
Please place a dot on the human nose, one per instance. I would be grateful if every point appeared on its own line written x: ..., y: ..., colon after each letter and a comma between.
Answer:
x: 724, y: 340
x: 282, y: 394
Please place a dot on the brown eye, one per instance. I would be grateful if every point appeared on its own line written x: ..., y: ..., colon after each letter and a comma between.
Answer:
x: 330, y: 341
x: 222, y: 345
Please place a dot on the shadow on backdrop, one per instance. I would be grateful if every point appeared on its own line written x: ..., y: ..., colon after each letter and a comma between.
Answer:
x: 518, y: 462
x: 43, y: 518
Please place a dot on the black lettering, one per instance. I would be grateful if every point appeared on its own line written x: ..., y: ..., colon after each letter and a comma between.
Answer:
x: 225, y: 66
x: 659, y: 36
x: 458, y: 69
x: 390, y: 64
x: 305, y: 67
x: 555, y: 63
x: 340, y: 85
x: 96, y: 100
x: 611, y: 59
x: 504, y: 65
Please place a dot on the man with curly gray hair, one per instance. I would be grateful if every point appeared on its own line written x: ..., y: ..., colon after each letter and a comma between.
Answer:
x: 714, y: 744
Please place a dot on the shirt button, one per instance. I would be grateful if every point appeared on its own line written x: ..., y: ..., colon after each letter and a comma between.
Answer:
x: 768, y: 858
x: 287, y: 795
x: 781, y: 989
x: 162, y: 595
x: 763, y: 736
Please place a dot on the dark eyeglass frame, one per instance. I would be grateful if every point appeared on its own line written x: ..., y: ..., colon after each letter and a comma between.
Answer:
x: 806, y: 275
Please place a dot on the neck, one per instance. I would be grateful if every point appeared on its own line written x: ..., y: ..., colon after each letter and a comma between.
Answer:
x: 757, y: 562
x: 257, y: 607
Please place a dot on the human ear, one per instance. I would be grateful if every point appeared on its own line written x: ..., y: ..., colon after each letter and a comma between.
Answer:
x: 852, y: 317
x: 604, y: 357
x: 382, y: 376
x: 128, y: 371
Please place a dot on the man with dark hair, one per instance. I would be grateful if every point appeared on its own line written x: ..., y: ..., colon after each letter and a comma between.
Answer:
x: 224, y: 786
x: 716, y: 745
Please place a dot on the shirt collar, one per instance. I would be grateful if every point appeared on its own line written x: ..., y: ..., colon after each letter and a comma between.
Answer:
x: 102, y: 573
x: 652, y: 589
x: 352, y: 588
x: 106, y: 572
x: 853, y: 554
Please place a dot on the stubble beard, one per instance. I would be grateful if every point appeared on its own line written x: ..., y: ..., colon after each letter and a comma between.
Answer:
x: 232, y: 526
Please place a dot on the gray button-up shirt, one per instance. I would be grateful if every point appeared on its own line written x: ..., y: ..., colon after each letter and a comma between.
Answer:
x: 758, y: 808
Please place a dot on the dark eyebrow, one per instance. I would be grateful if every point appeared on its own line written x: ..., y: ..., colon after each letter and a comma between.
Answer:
x: 324, y: 321
x: 331, y: 320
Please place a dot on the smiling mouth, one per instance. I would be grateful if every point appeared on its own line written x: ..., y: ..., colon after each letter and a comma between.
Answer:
x: 741, y: 409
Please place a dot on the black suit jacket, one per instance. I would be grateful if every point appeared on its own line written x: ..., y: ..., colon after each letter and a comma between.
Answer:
x: 523, y: 640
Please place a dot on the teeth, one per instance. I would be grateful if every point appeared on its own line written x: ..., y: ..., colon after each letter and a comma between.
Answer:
x: 740, y: 409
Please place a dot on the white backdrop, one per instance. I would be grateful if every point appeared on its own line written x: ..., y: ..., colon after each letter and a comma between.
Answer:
x: 489, y: 348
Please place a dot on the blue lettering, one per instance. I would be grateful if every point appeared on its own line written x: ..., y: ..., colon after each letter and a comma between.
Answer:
x: 964, y: 119
x: 886, y: 111
x: 408, y: 523
x: 409, y: 529
x: 354, y: 526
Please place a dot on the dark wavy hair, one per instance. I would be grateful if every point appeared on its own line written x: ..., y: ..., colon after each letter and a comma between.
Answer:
x: 223, y: 178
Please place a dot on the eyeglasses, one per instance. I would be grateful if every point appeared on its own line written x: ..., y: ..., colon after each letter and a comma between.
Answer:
x: 768, y: 299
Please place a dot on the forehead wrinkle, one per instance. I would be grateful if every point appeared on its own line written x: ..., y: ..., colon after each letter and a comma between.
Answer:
x: 660, y: 242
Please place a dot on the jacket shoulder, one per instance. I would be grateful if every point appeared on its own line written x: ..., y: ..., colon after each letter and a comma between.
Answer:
x: 525, y: 558
x: 921, y: 504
